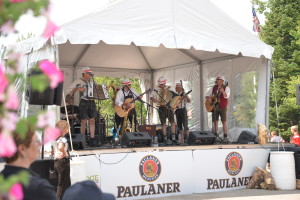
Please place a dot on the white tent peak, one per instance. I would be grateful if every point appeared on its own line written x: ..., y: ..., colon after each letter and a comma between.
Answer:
x: 176, y: 24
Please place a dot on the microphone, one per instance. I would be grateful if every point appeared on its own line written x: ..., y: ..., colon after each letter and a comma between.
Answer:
x: 155, y: 90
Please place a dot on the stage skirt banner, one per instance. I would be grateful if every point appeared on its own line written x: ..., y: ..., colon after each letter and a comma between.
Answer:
x: 140, y: 175
x: 226, y: 169
x: 92, y: 167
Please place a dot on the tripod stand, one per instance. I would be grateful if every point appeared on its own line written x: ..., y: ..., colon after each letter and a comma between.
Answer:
x: 218, y: 139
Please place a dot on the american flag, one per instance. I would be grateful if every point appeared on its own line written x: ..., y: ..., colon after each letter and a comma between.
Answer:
x: 255, y: 20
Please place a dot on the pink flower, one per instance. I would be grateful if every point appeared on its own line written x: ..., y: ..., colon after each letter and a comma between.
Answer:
x: 45, y: 119
x: 16, y: 1
x: 9, y: 121
x: 3, y: 82
x: 12, y: 102
x: 7, y: 144
x: 50, y: 29
x: 16, y: 191
x: 51, y: 70
x: 51, y: 134
x: 7, y: 28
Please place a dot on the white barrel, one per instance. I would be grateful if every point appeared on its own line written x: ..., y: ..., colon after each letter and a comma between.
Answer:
x: 282, y: 166
x: 77, y: 170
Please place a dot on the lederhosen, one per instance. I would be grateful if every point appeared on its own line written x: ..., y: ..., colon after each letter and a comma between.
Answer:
x: 87, y: 107
x: 132, y: 115
x: 181, y: 115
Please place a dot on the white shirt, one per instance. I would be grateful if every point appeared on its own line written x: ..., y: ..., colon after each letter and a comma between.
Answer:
x: 227, y: 90
x: 276, y: 139
x: 183, y: 102
x: 57, y: 152
x: 76, y: 84
x: 120, y: 96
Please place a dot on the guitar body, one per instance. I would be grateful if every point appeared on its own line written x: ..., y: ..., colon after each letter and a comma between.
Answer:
x: 210, y: 106
x: 123, y: 111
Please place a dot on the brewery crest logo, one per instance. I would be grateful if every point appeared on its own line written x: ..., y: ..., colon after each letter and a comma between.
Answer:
x: 150, y: 168
x: 233, y: 163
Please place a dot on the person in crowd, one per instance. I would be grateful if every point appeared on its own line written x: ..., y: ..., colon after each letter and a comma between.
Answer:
x: 296, y: 136
x: 62, y: 159
x: 181, y: 112
x: 28, y: 149
x: 86, y: 190
x: 222, y: 92
x: 162, y: 96
x: 123, y: 97
x: 275, y: 137
x: 87, y: 106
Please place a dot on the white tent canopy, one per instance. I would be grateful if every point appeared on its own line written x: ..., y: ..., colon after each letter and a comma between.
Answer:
x: 191, y: 40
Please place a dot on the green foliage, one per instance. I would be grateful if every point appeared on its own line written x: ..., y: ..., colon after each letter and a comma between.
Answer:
x: 13, y: 11
x: 6, y: 184
x: 245, y: 98
x: 281, y: 31
x: 106, y: 105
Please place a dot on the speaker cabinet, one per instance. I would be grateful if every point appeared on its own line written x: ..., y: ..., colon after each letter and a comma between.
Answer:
x: 201, y: 138
x: 48, y: 97
x: 246, y: 137
x: 79, y: 141
x: 136, y: 139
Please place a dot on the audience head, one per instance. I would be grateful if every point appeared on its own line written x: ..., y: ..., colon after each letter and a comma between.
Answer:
x: 294, y: 129
x: 28, y: 149
x: 86, y: 190
x: 63, y: 126
x: 274, y: 133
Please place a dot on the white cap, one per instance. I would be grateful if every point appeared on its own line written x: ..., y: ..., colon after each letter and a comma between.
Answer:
x: 86, y: 70
x: 178, y: 85
x: 126, y: 81
x: 220, y: 78
x: 162, y: 80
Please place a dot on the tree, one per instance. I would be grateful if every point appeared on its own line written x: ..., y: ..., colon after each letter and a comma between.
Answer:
x: 281, y: 31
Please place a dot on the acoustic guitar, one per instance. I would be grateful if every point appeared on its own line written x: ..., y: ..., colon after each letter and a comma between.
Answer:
x: 123, y: 111
x: 215, y: 100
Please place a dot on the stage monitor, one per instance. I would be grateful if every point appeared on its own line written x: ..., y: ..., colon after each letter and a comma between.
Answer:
x: 136, y: 139
x: 246, y: 137
x: 201, y: 138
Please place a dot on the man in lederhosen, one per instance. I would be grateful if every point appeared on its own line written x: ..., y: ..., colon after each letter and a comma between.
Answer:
x: 126, y: 93
x: 181, y: 112
x: 87, y: 106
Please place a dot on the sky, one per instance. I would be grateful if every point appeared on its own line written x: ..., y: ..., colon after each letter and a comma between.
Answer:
x: 63, y: 11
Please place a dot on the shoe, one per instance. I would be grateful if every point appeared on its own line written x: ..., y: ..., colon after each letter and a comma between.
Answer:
x: 93, y: 143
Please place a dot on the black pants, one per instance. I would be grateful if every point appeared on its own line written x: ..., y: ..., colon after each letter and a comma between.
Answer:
x: 132, y: 116
x: 181, y: 117
x: 62, y: 167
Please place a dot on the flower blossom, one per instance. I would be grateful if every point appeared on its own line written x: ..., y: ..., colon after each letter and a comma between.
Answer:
x: 45, y: 119
x: 51, y: 70
x: 7, y: 28
x: 16, y: 1
x: 3, y: 83
x: 9, y: 121
x: 7, y: 144
x: 12, y: 102
x: 51, y: 134
x: 50, y: 29
x: 16, y: 191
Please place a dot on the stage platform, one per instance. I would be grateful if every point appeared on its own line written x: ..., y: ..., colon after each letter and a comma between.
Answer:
x: 147, y: 172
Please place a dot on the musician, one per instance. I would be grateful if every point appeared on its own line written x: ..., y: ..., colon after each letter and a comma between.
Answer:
x: 123, y: 94
x: 87, y: 106
x: 164, y: 110
x: 181, y: 112
x: 221, y: 107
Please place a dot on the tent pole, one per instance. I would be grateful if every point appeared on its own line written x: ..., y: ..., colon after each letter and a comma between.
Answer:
x: 201, y: 96
x: 268, y: 74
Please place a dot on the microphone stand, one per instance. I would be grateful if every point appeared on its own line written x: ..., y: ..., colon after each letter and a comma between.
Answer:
x: 98, y: 115
x: 73, y: 120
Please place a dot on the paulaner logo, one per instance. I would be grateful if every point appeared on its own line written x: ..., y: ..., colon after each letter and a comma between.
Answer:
x: 150, y: 168
x: 233, y: 163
